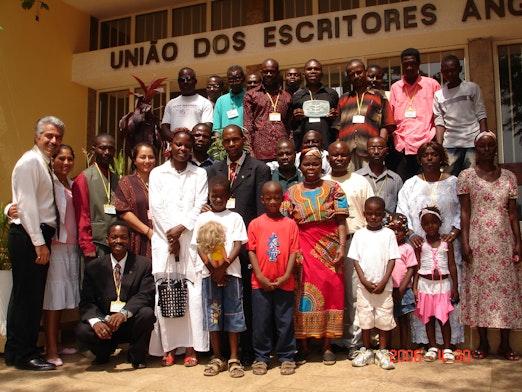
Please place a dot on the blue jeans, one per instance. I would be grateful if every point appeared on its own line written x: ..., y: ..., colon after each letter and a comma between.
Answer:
x: 273, y: 308
x: 460, y: 158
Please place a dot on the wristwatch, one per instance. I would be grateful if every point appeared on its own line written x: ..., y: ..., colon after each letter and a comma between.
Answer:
x: 126, y: 313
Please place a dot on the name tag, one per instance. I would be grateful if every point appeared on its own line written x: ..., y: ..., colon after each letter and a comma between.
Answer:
x: 109, y: 209
x: 358, y: 119
x: 314, y: 119
x: 410, y: 113
x: 231, y: 203
x: 116, y: 306
x: 232, y: 113
x: 274, y: 116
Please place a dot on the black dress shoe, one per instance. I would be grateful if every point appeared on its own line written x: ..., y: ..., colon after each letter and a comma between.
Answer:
x: 139, y: 365
x: 35, y: 364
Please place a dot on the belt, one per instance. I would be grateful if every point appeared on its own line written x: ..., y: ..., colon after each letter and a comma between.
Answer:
x: 430, y: 277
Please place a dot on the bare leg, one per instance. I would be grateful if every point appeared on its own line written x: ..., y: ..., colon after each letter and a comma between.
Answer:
x: 446, y: 334
x: 189, y: 352
x: 483, y: 340
x: 233, y: 339
x: 384, y: 338
x: 504, y: 340
x: 430, y: 331
x: 52, y: 322
x: 404, y: 330
x: 327, y: 345
x: 367, y: 338
x: 215, y: 343
x: 303, y: 345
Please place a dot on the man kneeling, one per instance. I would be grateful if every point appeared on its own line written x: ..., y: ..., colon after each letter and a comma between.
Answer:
x: 116, y: 303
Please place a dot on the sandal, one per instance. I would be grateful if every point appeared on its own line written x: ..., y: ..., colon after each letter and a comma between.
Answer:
x: 287, y: 368
x: 448, y: 356
x: 328, y: 358
x: 235, y: 369
x: 301, y: 357
x: 260, y: 368
x: 190, y: 361
x: 167, y: 360
x: 509, y: 355
x: 479, y: 354
x: 431, y: 354
x: 214, y: 367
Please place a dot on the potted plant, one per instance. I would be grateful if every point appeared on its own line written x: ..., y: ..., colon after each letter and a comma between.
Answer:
x: 6, y: 279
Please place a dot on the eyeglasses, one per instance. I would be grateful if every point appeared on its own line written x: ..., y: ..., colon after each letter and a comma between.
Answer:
x: 185, y: 80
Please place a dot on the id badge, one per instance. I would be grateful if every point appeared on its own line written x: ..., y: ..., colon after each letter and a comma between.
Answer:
x: 232, y: 113
x: 274, y: 116
x: 314, y: 119
x: 358, y: 119
x: 109, y: 209
x: 116, y: 306
x: 231, y: 203
x: 410, y: 113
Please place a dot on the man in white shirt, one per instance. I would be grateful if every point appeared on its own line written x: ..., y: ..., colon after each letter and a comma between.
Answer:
x: 357, y: 190
x: 188, y: 109
x: 29, y: 244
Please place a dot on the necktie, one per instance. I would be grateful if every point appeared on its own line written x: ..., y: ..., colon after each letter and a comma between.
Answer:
x: 117, y: 277
x: 233, y: 168
x: 54, y: 202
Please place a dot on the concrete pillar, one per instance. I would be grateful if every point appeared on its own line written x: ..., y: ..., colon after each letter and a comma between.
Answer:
x: 482, y: 72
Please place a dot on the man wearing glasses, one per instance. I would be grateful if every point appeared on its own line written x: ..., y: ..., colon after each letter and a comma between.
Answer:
x: 229, y: 107
x: 188, y: 109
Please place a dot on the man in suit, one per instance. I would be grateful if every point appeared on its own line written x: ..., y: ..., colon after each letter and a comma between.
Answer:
x: 247, y: 176
x: 116, y: 303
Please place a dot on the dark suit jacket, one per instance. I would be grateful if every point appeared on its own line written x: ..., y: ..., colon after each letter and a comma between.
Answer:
x: 98, y: 290
x: 246, y: 189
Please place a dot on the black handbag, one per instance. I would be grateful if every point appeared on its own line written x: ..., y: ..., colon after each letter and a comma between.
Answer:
x: 172, y: 297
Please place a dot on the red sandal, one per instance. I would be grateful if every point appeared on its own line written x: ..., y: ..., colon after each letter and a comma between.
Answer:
x: 190, y: 361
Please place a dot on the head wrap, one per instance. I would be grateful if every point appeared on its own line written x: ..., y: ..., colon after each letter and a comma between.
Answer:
x: 312, y: 151
x: 485, y: 133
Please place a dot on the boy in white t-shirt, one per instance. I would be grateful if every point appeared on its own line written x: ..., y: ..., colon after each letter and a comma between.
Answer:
x: 222, y: 286
x: 373, y: 251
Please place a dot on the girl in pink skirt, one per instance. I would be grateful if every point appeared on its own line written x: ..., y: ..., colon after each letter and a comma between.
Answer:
x: 435, y: 285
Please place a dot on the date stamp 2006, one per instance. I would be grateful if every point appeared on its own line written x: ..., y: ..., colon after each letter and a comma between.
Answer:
x: 463, y: 356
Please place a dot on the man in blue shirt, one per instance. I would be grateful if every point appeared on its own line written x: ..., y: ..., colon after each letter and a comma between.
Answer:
x: 229, y: 107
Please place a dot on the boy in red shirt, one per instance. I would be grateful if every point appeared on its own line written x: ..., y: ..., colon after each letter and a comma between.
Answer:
x: 273, y: 244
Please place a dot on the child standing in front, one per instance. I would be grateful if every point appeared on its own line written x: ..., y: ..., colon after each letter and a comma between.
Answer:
x: 434, y: 292
x: 403, y: 298
x: 222, y: 285
x: 273, y: 244
x: 373, y: 251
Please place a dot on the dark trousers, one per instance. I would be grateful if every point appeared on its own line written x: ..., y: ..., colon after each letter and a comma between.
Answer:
x: 404, y: 165
x: 273, y: 308
x: 25, y: 304
x: 135, y: 331
x: 245, y: 338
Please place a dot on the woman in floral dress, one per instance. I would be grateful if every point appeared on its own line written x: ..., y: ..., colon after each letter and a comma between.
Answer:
x: 491, y: 249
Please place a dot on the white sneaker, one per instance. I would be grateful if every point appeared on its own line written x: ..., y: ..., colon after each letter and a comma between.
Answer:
x: 364, y: 357
x: 383, y: 359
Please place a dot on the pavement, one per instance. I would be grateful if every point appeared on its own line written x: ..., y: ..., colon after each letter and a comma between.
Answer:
x: 77, y: 374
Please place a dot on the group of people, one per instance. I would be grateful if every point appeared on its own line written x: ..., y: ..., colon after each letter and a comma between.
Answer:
x: 302, y: 231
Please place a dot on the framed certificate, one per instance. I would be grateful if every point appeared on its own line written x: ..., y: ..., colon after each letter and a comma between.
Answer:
x: 316, y: 108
